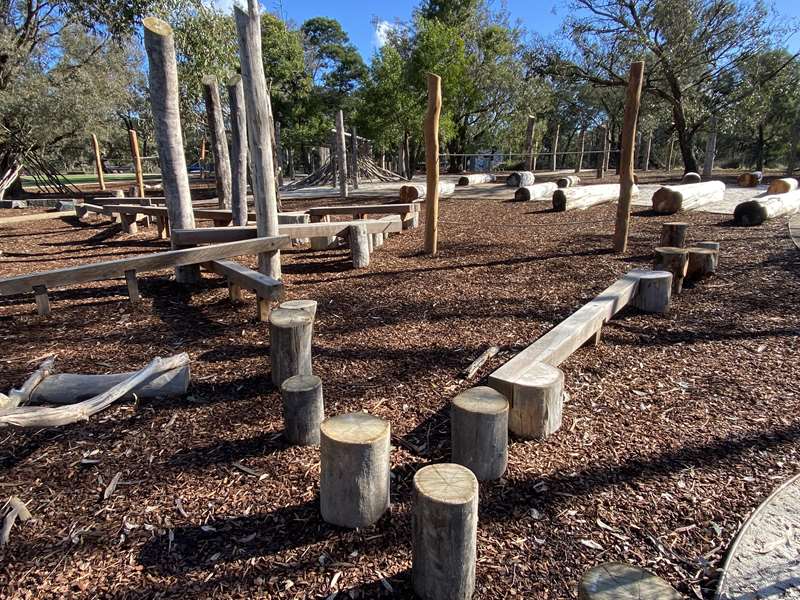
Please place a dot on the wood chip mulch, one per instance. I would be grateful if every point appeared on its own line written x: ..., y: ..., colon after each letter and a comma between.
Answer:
x: 677, y: 428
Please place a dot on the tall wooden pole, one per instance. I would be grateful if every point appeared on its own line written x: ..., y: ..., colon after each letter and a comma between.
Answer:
x: 711, y: 149
x: 238, y: 150
x: 579, y: 163
x: 341, y: 154
x: 432, y: 164
x: 670, y: 153
x: 555, y: 146
x: 647, y: 151
x: 601, y: 151
x: 276, y: 169
x: 259, y: 140
x: 98, y: 163
x: 278, y: 151
x: 632, y: 99
x: 203, y: 158
x: 529, y: 134
x: 137, y: 161
x: 607, y: 149
x: 162, y: 75
x: 219, y: 142
x: 354, y: 158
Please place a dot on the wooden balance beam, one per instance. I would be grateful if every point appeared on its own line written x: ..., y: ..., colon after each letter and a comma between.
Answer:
x: 40, y: 282
x: 240, y: 277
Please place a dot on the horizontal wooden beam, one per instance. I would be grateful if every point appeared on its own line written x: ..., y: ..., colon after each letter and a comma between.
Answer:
x: 216, y: 235
x: 146, y: 262
x: 37, y: 217
x: 263, y: 285
x: 364, y: 209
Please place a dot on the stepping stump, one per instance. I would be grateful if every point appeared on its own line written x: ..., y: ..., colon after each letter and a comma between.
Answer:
x: 674, y: 234
x: 323, y: 242
x: 354, y: 469
x: 654, y: 292
x: 710, y: 246
x: 303, y: 409
x: 619, y: 581
x: 290, y: 344
x: 537, y: 402
x: 444, y: 527
x: 377, y: 240
x: 359, y: 245
x: 307, y: 306
x: 479, y: 429
x: 702, y: 263
x: 674, y: 260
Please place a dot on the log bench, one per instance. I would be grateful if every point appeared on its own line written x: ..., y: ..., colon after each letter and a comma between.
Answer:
x: 409, y: 212
x: 532, y: 381
x: 40, y: 282
x: 241, y: 278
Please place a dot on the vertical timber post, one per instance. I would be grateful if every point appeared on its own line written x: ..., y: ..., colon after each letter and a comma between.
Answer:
x: 628, y: 141
x: 238, y: 150
x: 432, y: 164
x: 579, y: 163
x: 259, y: 140
x: 219, y: 142
x: 555, y: 146
x: 98, y: 163
x: 137, y: 161
x: 647, y: 151
x: 529, y: 133
x: 354, y: 157
x: 711, y: 149
x: 278, y: 151
x: 670, y: 153
x: 341, y: 154
x: 601, y: 151
x: 162, y: 75
x: 795, y: 137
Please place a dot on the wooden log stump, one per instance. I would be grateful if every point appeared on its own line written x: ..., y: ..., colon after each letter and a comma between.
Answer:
x: 290, y: 344
x: 377, y: 240
x: 750, y: 179
x: 620, y: 581
x: 444, y: 528
x: 654, y: 292
x: 323, y: 243
x: 674, y: 198
x: 674, y: 260
x: 691, y: 177
x: 307, y: 306
x: 536, y: 402
x: 479, y: 428
x: 129, y: 224
x: 354, y: 469
x: 520, y: 178
x: 42, y: 300
x: 702, y: 263
x: 674, y: 234
x: 710, y: 245
x: 537, y: 191
x: 359, y: 245
x: 303, y: 409
x: 568, y: 181
x: 782, y: 186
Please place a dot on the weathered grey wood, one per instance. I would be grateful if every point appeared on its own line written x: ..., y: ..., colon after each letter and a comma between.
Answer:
x: 259, y: 140
x: 444, y: 527
x: 670, y: 199
x: 418, y: 191
x: 476, y: 179
x: 290, y: 344
x: 376, y: 239
x: 755, y: 212
x: 162, y: 75
x: 647, y: 151
x: 129, y: 223
x: 674, y: 260
x: 304, y: 305
x: 674, y: 234
x: 219, y: 141
x: 555, y: 147
x: 782, y: 185
x: 711, y: 148
x: 520, y: 178
x: 341, y: 154
x: 479, y: 432
x: 238, y: 150
x: 581, y: 198
x: 266, y: 288
x: 536, y: 399
x: 619, y: 581
x: 42, y: 300
x: 702, y: 263
x: 537, y: 191
x: 364, y: 209
x: 568, y: 181
x: 690, y: 178
x: 303, y: 409
x: 295, y: 218
x: 354, y: 156
x: 354, y: 469
x: 67, y: 388
x: 654, y: 292
x: 359, y: 245
x: 710, y: 245
x: 579, y: 162
x: 133, y: 286
x: 476, y: 364
x: 529, y: 135
x: 145, y: 262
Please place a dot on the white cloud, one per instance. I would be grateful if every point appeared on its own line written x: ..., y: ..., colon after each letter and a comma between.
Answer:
x: 381, y: 35
x: 226, y: 6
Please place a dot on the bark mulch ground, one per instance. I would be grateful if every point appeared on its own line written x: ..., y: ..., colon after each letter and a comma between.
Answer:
x: 678, y: 425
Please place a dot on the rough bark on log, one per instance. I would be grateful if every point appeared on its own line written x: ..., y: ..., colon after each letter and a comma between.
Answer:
x: 782, y: 186
x: 568, y: 181
x: 702, y: 263
x: 476, y: 364
x: 476, y: 178
x: 520, y: 178
x: 749, y: 179
x: 619, y: 581
x: 654, y: 292
x: 303, y: 409
x: 444, y: 528
x: 691, y: 177
x: 585, y: 197
x: 290, y: 344
x: 674, y: 198
x: 674, y: 234
x: 537, y: 191
x: 479, y: 430
x: 162, y: 75
x: 755, y: 212
x: 354, y: 469
x: 359, y: 245
x: 219, y: 142
x: 674, y: 260
x: 238, y: 150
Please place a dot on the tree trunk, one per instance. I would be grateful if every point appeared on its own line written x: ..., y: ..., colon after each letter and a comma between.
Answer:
x: 760, y: 148
x: 238, y: 150
x: 219, y: 142
x: 685, y: 140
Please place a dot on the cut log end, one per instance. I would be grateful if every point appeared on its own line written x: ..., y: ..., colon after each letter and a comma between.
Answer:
x: 157, y: 26
x: 615, y: 581
x: 654, y: 292
x: 355, y: 428
x: 691, y: 177
x: 446, y: 483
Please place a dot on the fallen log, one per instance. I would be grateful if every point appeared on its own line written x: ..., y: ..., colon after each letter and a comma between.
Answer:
x: 674, y: 198
x: 417, y: 191
x: 581, y: 198
x: 476, y: 178
x: 54, y: 416
x: 755, y: 212
x: 782, y: 186
x: 568, y: 181
x: 520, y: 178
x: 691, y: 177
x: 18, y: 510
x: 750, y: 179
x: 537, y: 191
